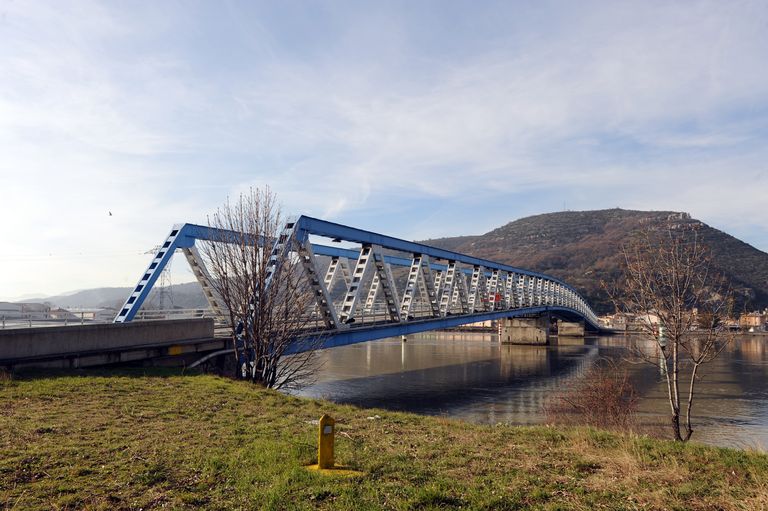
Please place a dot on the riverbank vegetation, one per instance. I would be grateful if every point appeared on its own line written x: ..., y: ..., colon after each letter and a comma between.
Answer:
x: 156, y: 439
x: 604, y: 398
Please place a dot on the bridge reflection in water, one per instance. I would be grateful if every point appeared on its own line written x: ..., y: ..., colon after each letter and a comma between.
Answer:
x: 471, y: 377
x: 456, y: 374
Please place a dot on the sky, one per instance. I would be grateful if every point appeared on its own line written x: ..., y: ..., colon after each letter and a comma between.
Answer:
x: 414, y: 119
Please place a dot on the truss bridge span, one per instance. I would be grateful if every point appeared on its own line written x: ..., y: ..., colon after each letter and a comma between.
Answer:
x: 369, y: 286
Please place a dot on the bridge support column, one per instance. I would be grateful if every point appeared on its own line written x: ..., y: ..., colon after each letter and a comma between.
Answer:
x: 524, y: 330
x: 570, y: 329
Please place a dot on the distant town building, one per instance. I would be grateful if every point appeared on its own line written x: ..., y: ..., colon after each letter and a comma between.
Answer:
x: 629, y: 322
x: 615, y: 321
x: 753, y: 321
x: 102, y: 314
x: 59, y: 313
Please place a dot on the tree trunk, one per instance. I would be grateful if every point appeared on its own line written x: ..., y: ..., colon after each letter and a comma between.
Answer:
x: 688, y: 428
x: 676, y: 425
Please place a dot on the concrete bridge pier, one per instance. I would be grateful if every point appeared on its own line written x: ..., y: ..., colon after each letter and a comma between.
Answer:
x: 534, y: 331
x: 570, y: 329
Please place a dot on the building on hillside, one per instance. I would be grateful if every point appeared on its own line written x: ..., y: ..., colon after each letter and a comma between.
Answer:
x: 616, y: 321
x: 753, y: 321
x: 649, y: 318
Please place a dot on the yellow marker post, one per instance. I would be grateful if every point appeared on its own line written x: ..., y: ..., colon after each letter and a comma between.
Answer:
x: 326, y: 463
x: 326, y: 433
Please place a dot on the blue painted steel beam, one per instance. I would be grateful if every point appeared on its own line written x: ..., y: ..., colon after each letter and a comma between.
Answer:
x: 353, y: 254
x: 350, y: 253
x: 185, y: 238
x: 305, y: 226
x: 342, y: 232
x: 192, y: 232
x: 141, y: 291
x: 372, y: 333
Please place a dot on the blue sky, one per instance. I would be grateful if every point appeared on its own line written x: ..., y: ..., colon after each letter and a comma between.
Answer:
x: 417, y: 119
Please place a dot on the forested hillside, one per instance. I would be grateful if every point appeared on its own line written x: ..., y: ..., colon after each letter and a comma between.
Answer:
x: 584, y: 247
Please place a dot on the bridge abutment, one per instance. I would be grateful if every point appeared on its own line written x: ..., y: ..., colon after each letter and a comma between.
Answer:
x: 101, y: 344
x: 533, y: 331
x: 570, y: 329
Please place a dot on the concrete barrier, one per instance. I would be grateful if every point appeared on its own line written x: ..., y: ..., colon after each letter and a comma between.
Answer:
x: 52, y: 342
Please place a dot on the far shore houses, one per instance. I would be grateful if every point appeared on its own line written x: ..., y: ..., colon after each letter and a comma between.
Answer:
x: 747, y: 322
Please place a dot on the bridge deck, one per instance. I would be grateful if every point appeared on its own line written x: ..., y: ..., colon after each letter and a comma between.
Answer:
x: 385, y: 329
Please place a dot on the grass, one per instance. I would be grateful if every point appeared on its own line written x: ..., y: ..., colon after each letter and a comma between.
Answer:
x: 146, y: 440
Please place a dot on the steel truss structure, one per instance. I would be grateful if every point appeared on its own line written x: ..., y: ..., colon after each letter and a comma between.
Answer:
x: 384, y: 288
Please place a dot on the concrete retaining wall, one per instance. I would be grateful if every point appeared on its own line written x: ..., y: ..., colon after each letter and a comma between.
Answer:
x: 570, y: 329
x: 524, y: 330
x: 28, y: 343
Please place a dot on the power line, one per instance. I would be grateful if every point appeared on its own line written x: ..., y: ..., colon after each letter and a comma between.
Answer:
x: 81, y: 255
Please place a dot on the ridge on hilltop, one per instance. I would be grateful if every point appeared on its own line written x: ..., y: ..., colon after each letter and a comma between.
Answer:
x: 584, y: 247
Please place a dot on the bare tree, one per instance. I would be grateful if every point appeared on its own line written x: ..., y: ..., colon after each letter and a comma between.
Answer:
x: 668, y: 275
x: 261, y: 284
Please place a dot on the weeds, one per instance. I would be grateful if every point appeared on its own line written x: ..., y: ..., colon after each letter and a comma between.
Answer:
x: 603, y: 398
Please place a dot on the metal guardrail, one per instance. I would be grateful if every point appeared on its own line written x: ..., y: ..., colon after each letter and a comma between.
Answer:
x: 158, y: 314
x: 38, y: 319
x: 43, y: 319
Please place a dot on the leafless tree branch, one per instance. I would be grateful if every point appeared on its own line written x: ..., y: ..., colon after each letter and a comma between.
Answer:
x: 267, y: 302
x: 668, y: 275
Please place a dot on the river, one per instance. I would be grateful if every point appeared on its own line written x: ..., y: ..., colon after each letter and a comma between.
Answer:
x: 470, y: 376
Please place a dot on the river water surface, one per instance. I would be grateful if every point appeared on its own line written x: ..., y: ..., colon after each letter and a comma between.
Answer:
x: 470, y: 376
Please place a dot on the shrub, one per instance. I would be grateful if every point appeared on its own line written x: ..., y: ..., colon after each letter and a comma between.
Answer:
x: 604, y: 397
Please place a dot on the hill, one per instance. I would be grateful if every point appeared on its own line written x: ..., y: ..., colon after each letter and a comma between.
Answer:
x: 583, y: 247
x: 186, y: 296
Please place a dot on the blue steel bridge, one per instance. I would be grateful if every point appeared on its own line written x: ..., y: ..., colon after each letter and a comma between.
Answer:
x: 441, y: 288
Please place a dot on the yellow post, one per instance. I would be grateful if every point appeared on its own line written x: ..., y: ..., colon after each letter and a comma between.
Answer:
x: 326, y: 433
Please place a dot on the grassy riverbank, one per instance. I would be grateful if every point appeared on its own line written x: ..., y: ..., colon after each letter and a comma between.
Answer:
x: 162, y: 440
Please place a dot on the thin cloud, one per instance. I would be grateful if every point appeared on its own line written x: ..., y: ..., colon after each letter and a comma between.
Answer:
x: 403, y: 118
